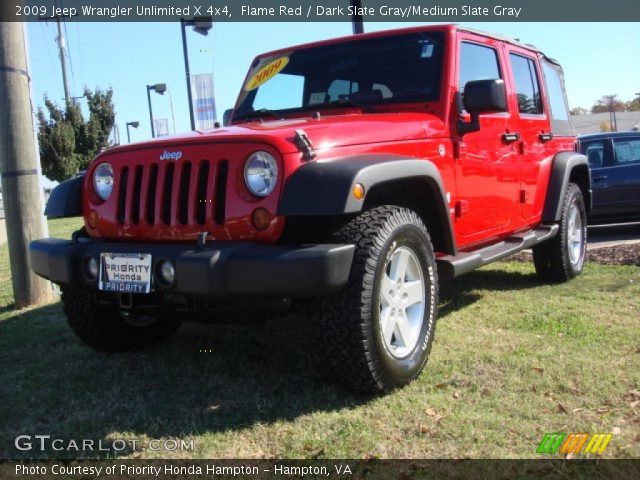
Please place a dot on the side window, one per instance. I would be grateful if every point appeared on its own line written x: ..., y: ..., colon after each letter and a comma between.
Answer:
x: 281, y: 92
x: 560, y: 121
x: 594, y: 151
x: 527, y: 84
x: 477, y: 62
x: 627, y: 150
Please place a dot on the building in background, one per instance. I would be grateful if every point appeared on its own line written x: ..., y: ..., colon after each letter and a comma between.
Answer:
x: 594, y: 122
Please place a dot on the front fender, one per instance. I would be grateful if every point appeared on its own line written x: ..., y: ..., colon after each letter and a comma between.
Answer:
x: 66, y: 199
x: 325, y: 188
x: 564, y: 163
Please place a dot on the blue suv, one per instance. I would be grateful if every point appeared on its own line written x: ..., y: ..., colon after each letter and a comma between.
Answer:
x: 614, y: 160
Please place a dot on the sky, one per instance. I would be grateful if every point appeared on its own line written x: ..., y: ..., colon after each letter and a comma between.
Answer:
x: 598, y: 59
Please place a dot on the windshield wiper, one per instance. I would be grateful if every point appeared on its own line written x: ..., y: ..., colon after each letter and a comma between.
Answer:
x: 260, y: 113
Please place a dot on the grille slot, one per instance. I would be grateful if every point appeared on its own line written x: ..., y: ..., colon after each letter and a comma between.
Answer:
x: 167, y: 188
x: 221, y: 192
x: 151, y: 194
x: 137, y: 188
x: 122, y: 194
x: 183, y: 193
x: 202, y: 198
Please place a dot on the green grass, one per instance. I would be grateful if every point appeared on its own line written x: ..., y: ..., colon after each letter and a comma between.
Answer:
x: 512, y: 359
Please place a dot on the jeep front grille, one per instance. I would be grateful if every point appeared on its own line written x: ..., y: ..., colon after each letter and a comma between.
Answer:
x: 172, y: 193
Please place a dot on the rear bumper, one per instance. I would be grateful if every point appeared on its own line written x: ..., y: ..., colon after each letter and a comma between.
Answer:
x: 218, y: 270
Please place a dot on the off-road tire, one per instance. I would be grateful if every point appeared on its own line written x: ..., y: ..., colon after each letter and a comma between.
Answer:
x: 104, y: 329
x: 348, y: 323
x: 552, y: 258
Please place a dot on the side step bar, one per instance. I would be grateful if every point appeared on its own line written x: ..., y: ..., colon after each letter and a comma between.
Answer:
x: 451, y: 266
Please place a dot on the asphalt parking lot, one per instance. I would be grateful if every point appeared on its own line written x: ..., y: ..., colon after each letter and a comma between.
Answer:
x: 616, y: 234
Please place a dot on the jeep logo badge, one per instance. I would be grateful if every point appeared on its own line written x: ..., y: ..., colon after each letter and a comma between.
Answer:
x: 167, y: 155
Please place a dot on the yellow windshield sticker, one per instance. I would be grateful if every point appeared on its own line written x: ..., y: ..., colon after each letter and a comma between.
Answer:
x: 266, y: 73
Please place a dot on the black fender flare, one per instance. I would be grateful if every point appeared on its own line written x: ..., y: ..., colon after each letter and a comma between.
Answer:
x: 564, y: 163
x: 324, y: 187
x: 66, y: 198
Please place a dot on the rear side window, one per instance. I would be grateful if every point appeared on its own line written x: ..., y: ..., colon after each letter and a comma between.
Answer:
x: 594, y: 151
x: 477, y: 62
x: 554, y: 81
x: 627, y: 150
x: 527, y: 84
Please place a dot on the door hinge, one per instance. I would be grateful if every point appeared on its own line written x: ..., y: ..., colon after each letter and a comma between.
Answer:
x: 524, y: 196
x: 303, y: 143
x: 462, y: 208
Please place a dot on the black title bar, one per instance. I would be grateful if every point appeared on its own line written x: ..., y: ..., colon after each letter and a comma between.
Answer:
x: 322, y: 10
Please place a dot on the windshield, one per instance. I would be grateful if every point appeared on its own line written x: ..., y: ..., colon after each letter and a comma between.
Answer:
x: 365, y: 73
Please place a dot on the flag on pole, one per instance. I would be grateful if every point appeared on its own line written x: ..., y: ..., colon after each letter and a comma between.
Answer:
x: 161, y: 126
x: 204, y: 104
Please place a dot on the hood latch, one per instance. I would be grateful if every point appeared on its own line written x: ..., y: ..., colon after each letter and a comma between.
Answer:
x: 304, y: 144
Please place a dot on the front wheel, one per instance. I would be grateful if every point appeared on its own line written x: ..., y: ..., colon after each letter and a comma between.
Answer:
x: 562, y: 258
x: 376, y: 333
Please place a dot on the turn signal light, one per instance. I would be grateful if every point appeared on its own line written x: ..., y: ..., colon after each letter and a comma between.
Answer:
x: 358, y: 191
x: 92, y: 219
x: 261, y: 219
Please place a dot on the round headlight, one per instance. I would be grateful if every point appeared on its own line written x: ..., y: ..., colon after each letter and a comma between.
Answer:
x: 261, y: 173
x: 103, y: 180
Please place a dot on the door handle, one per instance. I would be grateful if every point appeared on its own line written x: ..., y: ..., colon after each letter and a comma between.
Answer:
x: 599, y: 179
x: 545, y: 137
x: 510, y: 137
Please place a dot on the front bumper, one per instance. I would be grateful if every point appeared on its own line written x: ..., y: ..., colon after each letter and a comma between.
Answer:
x: 217, y: 270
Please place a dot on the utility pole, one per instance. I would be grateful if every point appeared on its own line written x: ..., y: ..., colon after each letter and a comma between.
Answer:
x: 19, y: 166
x: 612, y: 113
x: 62, y: 47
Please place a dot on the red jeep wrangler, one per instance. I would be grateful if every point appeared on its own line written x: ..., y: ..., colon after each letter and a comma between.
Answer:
x: 354, y: 173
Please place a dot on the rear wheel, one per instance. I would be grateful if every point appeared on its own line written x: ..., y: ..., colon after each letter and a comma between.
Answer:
x: 376, y: 333
x: 562, y: 258
x: 107, y: 329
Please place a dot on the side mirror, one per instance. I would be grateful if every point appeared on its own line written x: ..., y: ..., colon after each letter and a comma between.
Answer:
x: 482, y: 96
x: 226, y: 117
x: 485, y: 96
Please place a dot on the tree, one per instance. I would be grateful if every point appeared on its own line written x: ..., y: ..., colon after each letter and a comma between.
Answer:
x: 606, y: 127
x: 579, y: 111
x: 633, y: 105
x: 67, y: 142
x: 604, y: 105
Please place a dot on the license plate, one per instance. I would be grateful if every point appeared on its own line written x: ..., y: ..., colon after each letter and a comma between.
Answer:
x: 125, y: 272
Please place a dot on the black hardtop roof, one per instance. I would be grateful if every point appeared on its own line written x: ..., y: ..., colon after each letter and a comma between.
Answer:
x: 504, y: 38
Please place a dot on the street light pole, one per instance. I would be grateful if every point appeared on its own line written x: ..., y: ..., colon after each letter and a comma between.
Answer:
x: 158, y: 88
x: 357, y: 22
x: 187, y: 72
x: 135, y: 124
x: 149, y: 88
x: 200, y: 25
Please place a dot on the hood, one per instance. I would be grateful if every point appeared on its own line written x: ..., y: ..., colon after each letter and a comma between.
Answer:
x: 331, y: 131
